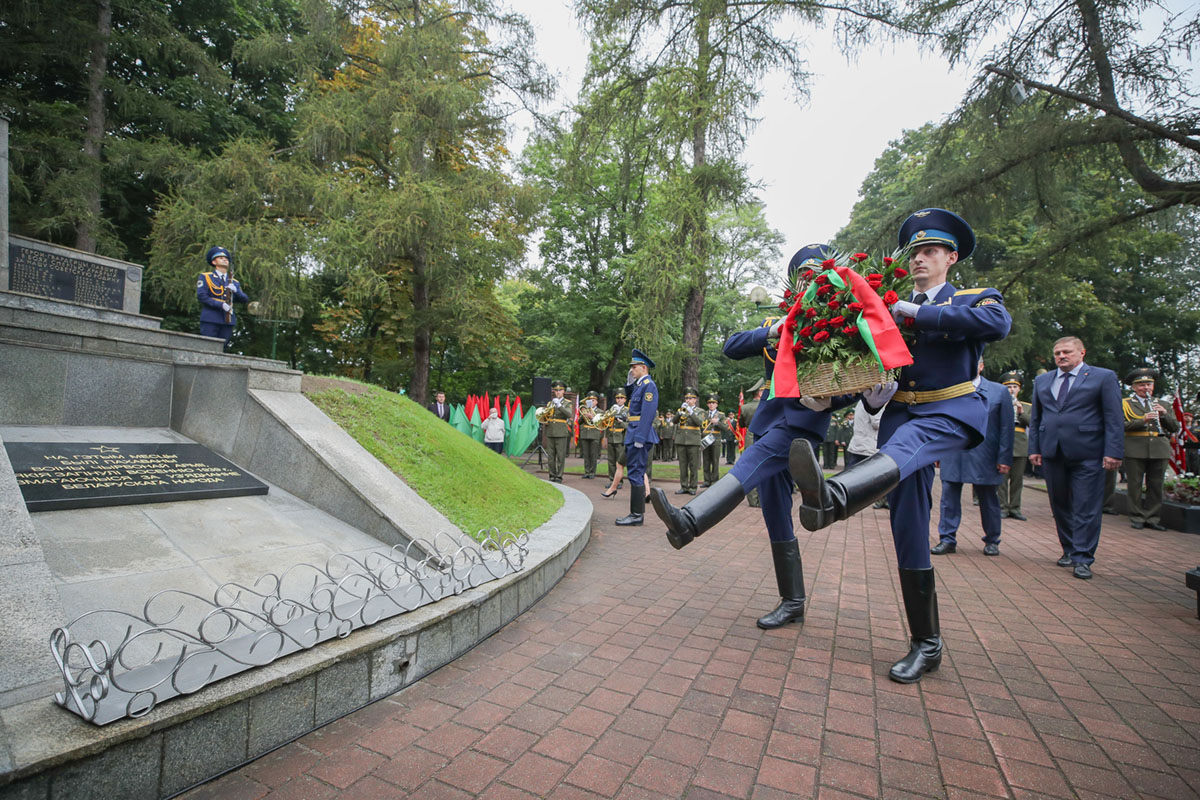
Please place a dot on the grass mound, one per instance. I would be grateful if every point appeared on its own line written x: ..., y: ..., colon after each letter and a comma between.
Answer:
x: 474, y: 487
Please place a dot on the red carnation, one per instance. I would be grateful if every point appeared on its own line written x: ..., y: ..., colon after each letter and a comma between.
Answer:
x: 783, y: 305
x: 821, y: 336
x: 900, y: 272
x: 827, y: 289
x: 874, y: 276
x: 829, y: 262
x: 890, y: 297
x: 787, y: 294
x: 822, y: 280
x: 887, y: 261
x: 822, y: 323
x: 850, y: 330
x: 807, y: 330
x: 838, y: 320
x: 855, y: 306
x: 810, y: 313
x: 797, y: 347
x: 859, y: 257
x: 808, y: 274
x: 875, y: 283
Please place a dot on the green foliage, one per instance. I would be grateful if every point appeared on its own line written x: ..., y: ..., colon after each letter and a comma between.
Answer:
x: 474, y: 487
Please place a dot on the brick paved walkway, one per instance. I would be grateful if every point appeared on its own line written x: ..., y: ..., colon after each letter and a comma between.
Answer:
x: 642, y: 675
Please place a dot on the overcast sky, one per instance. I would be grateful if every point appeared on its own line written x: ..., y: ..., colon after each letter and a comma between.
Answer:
x: 810, y: 158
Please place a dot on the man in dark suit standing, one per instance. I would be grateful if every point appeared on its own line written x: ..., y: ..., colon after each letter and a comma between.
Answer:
x: 1077, y: 432
x: 984, y: 466
x: 440, y: 407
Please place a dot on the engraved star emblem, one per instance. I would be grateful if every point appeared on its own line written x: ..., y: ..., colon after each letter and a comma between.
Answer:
x: 105, y: 449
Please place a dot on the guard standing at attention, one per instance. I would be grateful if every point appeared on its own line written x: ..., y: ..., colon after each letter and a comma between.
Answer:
x: 558, y: 423
x: 639, y: 436
x: 668, y: 437
x: 763, y: 465
x: 936, y: 412
x: 589, y: 434
x: 710, y: 454
x: 1010, y: 489
x: 616, y: 435
x: 687, y: 442
x: 1147, y: 449
x: 217, y: 291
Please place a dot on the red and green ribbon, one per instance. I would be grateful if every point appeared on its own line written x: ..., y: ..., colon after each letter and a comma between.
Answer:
x: 875, y: 325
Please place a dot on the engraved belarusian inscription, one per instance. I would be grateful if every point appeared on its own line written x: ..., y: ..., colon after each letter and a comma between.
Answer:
x: 48, y: 274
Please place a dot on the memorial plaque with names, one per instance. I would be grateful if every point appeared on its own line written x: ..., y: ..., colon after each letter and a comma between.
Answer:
x: 48, y: 274
x: 54, y: 476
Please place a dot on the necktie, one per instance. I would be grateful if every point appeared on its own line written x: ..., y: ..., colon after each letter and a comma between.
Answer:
x: 920, y: 298
x: 1064, y: 388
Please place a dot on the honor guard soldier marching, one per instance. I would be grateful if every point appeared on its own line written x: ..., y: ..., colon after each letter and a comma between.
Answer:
x: 687, y: 442
x: 1147, y: 448
x: 640, y: 436
x: 217, y: 291
x: 616, y: 434
x: 590, y: 434
x: 1010, y: 489
x: 710, y: 442
x: 936, y: 412
x: 558, y: 417
x: 763, y: 465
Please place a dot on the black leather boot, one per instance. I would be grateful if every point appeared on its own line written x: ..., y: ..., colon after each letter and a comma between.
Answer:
x: 693, y: 519
x: 637, y: 506
x: 789, y: 575
x: 920, y: 606
x: 824, y: 502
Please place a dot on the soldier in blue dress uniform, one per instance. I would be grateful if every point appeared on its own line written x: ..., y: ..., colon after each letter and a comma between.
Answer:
x: 217, y: 291
x: 763, y: 465
x: 640, y: 435
x: 936, y: 412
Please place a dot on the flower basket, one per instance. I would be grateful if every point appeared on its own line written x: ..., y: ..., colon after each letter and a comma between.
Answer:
x: 826, y: 380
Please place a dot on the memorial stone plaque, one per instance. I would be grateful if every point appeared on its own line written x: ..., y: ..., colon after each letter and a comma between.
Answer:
x: 54, y: 475
x: 63, y: 277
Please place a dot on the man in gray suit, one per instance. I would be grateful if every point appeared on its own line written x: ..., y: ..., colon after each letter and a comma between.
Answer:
x: 1077, y: 432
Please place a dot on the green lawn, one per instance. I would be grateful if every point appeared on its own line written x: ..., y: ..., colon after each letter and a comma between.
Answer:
x: 474, y: 487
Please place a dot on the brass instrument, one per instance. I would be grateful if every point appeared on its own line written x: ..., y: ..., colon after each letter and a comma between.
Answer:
x: 611, y: 414
x: 545, y: 413
x: 589, y: 415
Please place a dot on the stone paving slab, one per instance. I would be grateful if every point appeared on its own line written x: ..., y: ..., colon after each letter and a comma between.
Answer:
x: 642, y: 675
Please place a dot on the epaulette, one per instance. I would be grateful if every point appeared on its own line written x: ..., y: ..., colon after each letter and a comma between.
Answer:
x: 769, y: 321
x: 971, y: 291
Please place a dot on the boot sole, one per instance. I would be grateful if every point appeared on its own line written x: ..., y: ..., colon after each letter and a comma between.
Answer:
x: 812, y: 517
x: 658, y: 501
x: 916, y: 679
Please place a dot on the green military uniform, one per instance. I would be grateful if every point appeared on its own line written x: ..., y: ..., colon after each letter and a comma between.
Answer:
x: 1012, y: 484
x: 616, y: 435
x: 558, y: 432
x: 687, y: 444
x: 589, y: 434
x: 747, y: 416
x: 658, y: 431
x: 1147, y: 451
x: 711, y: 454
x: 668, y: 437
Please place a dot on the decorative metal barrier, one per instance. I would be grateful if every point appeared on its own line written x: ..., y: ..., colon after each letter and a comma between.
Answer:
x: 182, y: 642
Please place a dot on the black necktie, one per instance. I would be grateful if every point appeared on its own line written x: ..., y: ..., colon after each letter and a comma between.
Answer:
x: 920, y: 298
x: 1064, y: 388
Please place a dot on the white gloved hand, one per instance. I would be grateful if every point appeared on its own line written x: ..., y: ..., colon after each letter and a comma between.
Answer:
x: 638, y: 445
x: 816, y: 403
x: 903, y: 308
x: 773, y: 333
x: 878, y: 395
x: 226, y: 307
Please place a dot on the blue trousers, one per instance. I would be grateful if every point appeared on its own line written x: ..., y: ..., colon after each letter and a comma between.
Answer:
x: 1076, y: 490
x: 635, y: 464
x: 217, y: 331
x: 915, y: 443
x: 951, y: 516
x: 764, y: 466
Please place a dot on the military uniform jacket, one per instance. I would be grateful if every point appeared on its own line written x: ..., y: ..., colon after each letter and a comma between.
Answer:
x: 950, y: 337
x: 690, y: 423
x: 785, y: 411
x: 561, y: 419
x: 643, y: 408
x: 978, y: 465
x: 588, y: 432
x: 1021, y: 432
x: 668, y: 430
x: 213, y: 289
x: 1143, y: 440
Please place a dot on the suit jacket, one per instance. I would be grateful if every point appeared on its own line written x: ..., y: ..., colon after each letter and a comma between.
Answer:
x: 978, y: 465
x: 1141, y: 439
x: 445, y: 415
x: 785, y: 411
x: 1091, y: 425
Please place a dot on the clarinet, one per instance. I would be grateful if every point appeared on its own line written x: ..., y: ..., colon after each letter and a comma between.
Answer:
x: 1154, y: 426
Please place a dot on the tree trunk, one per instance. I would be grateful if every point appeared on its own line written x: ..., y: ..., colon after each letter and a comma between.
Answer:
x: 693, y: 312
x: 93, y: 136
x: 693, y: 309
x: 418, y: 388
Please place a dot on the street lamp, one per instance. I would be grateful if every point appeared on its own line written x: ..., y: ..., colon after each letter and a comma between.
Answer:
x: 294, y: 314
